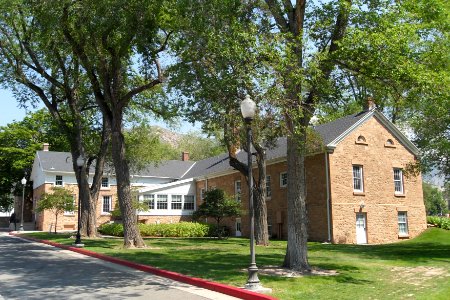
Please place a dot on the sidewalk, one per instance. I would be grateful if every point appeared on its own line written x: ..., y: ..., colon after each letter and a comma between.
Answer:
x: 214, y: 286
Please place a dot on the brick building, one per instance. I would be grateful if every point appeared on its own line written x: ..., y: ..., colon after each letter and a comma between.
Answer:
x: 357, y: 191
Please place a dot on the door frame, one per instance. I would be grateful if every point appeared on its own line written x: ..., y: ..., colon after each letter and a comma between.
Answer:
x: 360, y: 240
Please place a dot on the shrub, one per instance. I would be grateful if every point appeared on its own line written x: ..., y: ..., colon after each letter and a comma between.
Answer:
x: 115, y: 229
x: 439, y: 222
x: 182, y: 229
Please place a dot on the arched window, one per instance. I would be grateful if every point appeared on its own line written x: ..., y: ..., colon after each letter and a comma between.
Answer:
x: 390, y: 142
x: 361, y: 139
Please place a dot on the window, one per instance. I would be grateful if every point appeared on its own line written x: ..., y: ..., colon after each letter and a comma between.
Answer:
x: 402, y: 223
x: 238, y: 224
x: 161, y: 202
x: 59, y: 180
x: 106, y: 207
x: 358, y: 182
x: 149, y: 199
x: 176, y: 202
x: 268, y: 188
x: 283, y: 179
x: 189, y: 202
x: 361, y: 139
x: 390, y: 142
x: 237, y: 190
x: 398, y: 181
x: 105, y: 182
x: 202, y: 194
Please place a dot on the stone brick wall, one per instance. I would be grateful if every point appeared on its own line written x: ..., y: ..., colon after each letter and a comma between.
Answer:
x: 277, y: 204
x: 381, y: 204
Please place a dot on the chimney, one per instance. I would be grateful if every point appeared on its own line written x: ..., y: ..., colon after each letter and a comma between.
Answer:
x: 45, y: 147
x: 370, y: 103
x: 184, y: 156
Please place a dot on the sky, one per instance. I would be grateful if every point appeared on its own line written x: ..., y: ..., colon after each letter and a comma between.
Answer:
x: 10, y: 112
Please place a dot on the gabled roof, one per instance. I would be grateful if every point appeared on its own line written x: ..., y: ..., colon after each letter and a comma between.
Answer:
x: 331, y: 133
x: 51, y: 161
x: 333, y: 130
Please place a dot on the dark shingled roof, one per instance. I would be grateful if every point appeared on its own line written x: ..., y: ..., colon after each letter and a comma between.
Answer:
x: 62, y: 161
x: 329, y: 132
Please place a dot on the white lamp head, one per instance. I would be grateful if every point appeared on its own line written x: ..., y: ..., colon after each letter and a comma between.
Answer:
x: 248, y: 108
x: 24, y: 181
x: 80, y: 161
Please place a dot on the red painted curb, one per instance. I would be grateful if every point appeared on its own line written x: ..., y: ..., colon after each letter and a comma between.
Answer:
x: 210, y: 285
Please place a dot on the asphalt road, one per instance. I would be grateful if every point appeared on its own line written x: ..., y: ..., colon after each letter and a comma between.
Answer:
x: 31, y: 270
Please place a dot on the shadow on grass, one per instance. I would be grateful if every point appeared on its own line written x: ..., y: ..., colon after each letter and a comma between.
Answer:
x: 433, y: 245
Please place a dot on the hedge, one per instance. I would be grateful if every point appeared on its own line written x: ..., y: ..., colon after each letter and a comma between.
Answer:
x: 182, y: 229
x: 439, y: 222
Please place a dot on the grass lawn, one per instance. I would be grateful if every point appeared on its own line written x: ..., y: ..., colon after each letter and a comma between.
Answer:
x: 414, y: 269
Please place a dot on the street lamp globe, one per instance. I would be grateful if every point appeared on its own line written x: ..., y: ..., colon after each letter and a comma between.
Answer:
x: 24, y: 181
x: 248, y: 108
x: 80, y: 161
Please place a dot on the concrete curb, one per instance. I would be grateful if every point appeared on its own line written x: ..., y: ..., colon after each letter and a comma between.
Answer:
x: 210, y: 285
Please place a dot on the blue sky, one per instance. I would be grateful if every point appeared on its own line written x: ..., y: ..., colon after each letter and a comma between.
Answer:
x: 10, y: 112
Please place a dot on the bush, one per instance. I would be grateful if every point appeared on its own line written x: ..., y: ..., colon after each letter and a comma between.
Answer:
x: 182, y: 229
x: 115, y: 229
x: 439, y: 222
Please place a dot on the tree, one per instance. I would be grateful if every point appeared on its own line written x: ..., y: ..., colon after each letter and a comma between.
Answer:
x: 199, y: 147
x: 217, y: 205
x: 59, y: 201
x: 434, y: 200
x: 37, y: 66
x: 219, y: 64
x: 118, y: 44
x: 305, y: 57
x: 19, y: 142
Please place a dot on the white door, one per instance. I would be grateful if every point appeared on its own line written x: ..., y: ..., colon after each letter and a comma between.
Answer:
x: 361, y: 232
x: 238, y: 227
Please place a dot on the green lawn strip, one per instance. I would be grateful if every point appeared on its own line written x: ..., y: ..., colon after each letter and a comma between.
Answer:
x: 414, y: 269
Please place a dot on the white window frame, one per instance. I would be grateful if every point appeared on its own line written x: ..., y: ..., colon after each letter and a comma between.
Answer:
x: 57, y: 181
x: 149, y: 199
x: 190, y: 201
x: 202, y: 194
x: 105, y: 179
x: 398, y: 182
x: 237, y: 190
x: 268, y: 187
x: 358, y: 178
x: 283, y: 179
x: 402, y: 220
x: 162, y: 199
x: 109, y: 198
x: 176, y: 199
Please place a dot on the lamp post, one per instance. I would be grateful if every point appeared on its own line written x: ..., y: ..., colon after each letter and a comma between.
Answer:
x: 24, y: 182
x: 248, y: 108
x: 78, y: 243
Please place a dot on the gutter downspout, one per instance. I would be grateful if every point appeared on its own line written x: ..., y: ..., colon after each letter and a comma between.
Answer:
x: 327, y: 180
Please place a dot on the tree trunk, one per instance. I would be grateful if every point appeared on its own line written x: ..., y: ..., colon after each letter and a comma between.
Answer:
x: 259, y: 198
x: 131, y: 235
x: 56, y: 221
x: 297, y: 250
x: 261, y: 228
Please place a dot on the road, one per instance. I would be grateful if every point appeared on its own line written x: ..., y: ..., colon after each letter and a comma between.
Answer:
x: 31, y: 270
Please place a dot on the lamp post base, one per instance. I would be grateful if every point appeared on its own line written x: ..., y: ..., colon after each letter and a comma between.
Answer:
x: 253, y: 284
x: 78, y: 245
x: 21, y: 227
